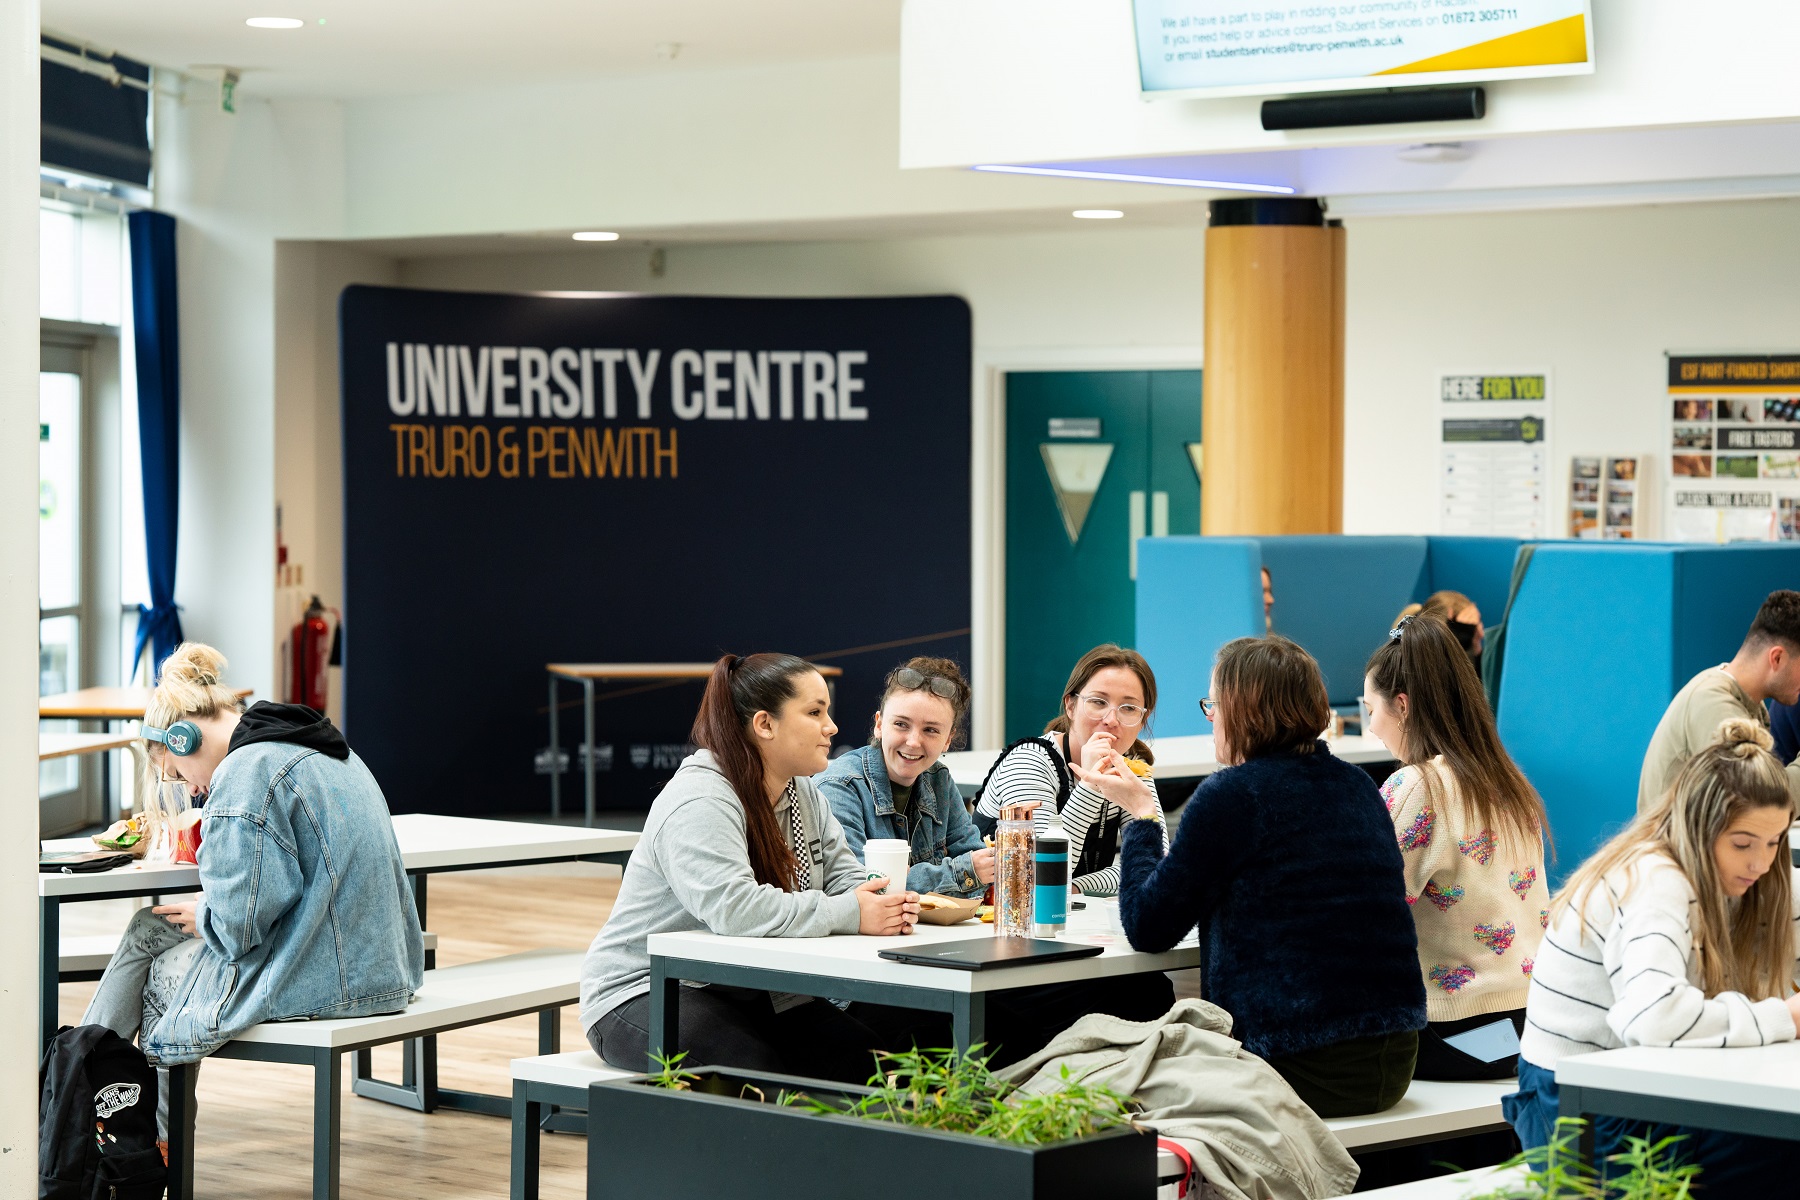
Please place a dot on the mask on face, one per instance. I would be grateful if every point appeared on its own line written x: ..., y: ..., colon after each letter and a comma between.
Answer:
x: 1465, y: 637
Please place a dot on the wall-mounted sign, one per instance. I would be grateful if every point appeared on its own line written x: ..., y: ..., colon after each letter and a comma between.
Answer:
x: 1252, y: 47
x: 1493, y: 453
x: 1734, y: 418
x: 1074, y: 427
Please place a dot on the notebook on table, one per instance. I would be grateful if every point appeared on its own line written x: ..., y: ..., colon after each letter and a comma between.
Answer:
x: 986, y: 954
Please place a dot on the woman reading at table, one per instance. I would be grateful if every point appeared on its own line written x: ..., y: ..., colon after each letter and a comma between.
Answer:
x: 740, y: 843
x: 895, y: 787
x: 1286, y: 861
x: 1680, y: 932
x: 1471, y: 832
x: 305, y: 909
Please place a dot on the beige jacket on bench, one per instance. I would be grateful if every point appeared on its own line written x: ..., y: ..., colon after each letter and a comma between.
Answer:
x: 1250, y: 1135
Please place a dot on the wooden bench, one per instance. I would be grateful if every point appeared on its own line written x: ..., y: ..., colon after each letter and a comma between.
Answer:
x: 84, y: 958
x: 1431, y: 1111
x: 544, y: 1086
x: 539, y: 981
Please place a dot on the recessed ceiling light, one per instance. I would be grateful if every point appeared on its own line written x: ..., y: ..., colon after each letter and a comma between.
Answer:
x: 274, y: 22
x: 594, y: 235
x: 1097, y: 214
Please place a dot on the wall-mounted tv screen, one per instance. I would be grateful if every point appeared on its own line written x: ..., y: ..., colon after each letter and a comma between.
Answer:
x: 1272, y: 47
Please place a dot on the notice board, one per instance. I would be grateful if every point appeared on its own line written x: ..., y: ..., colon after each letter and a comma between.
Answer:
x: 547, y: 478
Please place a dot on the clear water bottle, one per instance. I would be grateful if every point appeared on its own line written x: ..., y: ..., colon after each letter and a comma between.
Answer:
x: 1015, y: 871
x: 1050, y: 896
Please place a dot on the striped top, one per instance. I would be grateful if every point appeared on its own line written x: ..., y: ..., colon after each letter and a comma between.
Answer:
x: 1027, y: 774
x: 1632, y: 979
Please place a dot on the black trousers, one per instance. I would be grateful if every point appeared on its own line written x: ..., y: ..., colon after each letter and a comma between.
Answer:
x: 1354, y: 1077
x: 738, y: 1027
x: 1440, y: 1060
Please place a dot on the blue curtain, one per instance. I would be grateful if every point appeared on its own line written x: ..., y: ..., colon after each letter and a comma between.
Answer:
x: 158, y: 349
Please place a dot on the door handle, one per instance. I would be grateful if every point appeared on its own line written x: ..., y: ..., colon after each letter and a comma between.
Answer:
x: 1137, y: 527
x: 1159, y: 514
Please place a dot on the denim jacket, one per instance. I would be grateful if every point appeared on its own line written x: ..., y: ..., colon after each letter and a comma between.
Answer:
x: 307, y: 911
x: 936, y: 825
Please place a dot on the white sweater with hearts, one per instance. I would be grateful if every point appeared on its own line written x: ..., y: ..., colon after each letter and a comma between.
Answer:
x: 1479, y: 902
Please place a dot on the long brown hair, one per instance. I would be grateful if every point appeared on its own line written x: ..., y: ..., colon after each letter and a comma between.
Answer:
x: 736, y: 691
x: 1091, y: 664
x: 1447, y: 713
x: 1750, y: 950
x: 931, y: 668
x: 1271, y: 695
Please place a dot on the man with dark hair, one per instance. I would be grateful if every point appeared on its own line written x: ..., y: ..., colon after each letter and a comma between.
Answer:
x: 1767, y: 667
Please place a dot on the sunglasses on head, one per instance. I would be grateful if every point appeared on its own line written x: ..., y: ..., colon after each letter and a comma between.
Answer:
x: 915, y: 681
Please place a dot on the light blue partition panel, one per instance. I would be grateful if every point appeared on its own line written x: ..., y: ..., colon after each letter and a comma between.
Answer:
x: 1194, y: 594
x: 1478, y: 567
x: 1338, y: 596
x: 1717, y: 592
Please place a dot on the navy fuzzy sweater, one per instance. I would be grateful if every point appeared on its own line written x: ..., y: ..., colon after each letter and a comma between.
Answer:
x: 1290, y: 867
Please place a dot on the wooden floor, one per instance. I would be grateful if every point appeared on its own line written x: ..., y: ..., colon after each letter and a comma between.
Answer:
x: 255, y: 1119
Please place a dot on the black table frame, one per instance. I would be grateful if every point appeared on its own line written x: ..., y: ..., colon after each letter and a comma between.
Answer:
x: 1584, y: 1102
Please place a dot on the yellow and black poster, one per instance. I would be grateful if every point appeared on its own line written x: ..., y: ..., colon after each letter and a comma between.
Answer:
x: 1734, y: 441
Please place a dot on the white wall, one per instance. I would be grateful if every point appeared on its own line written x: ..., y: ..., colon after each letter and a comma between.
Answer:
x: 1596, y: 295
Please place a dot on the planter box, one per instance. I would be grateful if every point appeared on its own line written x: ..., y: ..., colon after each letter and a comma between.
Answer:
x: 708, y: 1143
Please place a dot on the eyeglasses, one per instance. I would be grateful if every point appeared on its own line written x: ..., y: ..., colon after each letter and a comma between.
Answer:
x: 1368, y: 713
x: 1208, y: 709
x: 1130, y: 715
x: 914, y: 681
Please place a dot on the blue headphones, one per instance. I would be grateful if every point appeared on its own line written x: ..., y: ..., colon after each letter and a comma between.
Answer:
x: 182, y: 738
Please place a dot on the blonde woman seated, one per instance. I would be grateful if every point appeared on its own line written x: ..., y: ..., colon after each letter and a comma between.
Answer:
x: 1679, y: 932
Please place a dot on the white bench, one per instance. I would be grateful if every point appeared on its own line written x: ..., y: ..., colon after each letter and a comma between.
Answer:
x: 540, y: 981
x: 1448, y: 1187
x: 1431, y: 1111
x: 558, y: 1082
x: 85, y: 957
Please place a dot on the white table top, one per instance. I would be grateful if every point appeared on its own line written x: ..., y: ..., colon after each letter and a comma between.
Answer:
x: 1765, y: 1077
x: 1187, y: 757
x: 428, y: 842
x: 853, y: 956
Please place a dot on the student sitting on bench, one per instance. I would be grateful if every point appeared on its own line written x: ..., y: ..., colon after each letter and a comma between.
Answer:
x: 305, y: 908
x: 1680, y: 931
x: 895, y: 787
x: 739, y: 842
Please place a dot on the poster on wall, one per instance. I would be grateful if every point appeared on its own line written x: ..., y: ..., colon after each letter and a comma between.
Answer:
x: 1605, y: 498
x: 532, y: 479
x: 1493, y: 458
x: 1734, y: 440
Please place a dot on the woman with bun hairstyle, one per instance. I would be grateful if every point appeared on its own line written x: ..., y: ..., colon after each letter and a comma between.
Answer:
x: 1090, y: 767
x: 305, y: 909
x: 740, y: 842
x: 1471, y: 832
x: 1680, y: 931
x: 1286, y: 861
x: 895, y: 787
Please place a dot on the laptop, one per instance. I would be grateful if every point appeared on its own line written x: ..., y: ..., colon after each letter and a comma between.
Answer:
x: 988, y: 953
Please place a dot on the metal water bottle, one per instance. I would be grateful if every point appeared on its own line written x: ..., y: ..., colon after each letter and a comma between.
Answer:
x: 1015, y: 871
x: 1050, y: 901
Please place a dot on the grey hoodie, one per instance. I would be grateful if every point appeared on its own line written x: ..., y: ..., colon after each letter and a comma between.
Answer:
x: 691, y: 871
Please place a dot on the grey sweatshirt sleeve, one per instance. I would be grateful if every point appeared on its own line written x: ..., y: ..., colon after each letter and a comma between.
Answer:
x: 706, y: 861
x: 843, y: 867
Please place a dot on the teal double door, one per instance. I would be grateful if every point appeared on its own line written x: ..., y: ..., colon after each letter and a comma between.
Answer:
x: 1094, y: 461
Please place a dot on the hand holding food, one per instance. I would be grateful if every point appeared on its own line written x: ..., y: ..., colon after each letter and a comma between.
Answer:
x: 1116, y: 781
x: 1096, y: 748
x: 982, y: 863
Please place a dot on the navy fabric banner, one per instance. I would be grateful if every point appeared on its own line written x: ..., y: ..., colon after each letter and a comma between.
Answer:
x: 155, y: 317
x: 636, y: 479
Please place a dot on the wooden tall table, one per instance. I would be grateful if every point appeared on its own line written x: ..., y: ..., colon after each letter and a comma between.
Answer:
x: 587, y: 674
x: 105, y: 705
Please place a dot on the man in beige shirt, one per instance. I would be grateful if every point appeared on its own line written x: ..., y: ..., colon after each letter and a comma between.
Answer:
x: 1767, y: 666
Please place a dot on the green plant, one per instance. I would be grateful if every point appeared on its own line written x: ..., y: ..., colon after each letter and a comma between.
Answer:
x: 1641, y: 1171
x: 668, y: 1073
x: 959, y: 1093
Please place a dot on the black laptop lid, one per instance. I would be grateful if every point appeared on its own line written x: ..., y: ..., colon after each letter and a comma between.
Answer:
x: 986, y: 953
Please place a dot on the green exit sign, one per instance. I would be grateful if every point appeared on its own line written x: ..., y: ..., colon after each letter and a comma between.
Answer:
x: 43, y: 431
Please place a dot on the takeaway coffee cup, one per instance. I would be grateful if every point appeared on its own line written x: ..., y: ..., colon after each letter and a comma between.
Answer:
x: 887, y: 858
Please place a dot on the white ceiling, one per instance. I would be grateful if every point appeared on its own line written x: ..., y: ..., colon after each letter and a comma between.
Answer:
x: 387, y: 47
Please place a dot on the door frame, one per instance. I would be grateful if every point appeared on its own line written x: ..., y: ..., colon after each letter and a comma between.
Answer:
x: 987, y: 494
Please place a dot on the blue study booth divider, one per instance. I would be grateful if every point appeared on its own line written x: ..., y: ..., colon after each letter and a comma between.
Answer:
x: 1335, y: 595
x: 1600, y: 637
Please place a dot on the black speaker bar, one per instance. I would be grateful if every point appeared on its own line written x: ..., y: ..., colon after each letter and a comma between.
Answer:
x: 1376, y: 108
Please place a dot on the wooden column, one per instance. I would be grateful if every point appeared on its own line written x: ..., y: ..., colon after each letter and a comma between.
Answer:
x: 1273, y: 415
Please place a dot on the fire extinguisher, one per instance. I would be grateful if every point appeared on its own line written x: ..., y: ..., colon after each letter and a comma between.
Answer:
x: 312, y: 651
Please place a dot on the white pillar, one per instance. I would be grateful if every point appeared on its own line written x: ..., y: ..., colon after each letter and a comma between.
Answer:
x: 18, y: 592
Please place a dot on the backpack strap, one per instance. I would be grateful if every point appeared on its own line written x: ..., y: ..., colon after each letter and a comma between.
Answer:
x: 1187, y: 1161
x: 985, y: 824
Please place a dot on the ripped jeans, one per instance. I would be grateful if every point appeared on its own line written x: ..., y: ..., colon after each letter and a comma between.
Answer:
x: 145, y: 973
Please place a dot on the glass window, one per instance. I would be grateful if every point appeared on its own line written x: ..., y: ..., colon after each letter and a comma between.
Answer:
x: 59, y: 490
x: 59, y: 668
x: 59, y: 265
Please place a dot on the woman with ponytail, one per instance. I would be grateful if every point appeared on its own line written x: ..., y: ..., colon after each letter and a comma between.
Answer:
x: 1679, y: 932
x: 305, y: 910
x: 740, y: 842
x: 1471, y: 833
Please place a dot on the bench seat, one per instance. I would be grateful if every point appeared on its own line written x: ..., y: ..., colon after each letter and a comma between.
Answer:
x: 541, y: 1084
x: 85, y: 957
x: 1448, y: 1187
x: 540, y: 981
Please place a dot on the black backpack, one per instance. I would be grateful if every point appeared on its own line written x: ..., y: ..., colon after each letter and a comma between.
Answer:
x: 97, y: 1119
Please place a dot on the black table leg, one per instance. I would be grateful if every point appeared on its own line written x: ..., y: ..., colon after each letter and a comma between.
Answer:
x: 327, y: 1113
x: 968, y: 1019
x: 665, y: 1014
x: 49, y: 965
x: 555, y: 755
x: 181, y: 1132
x: 526, y: 1113
x: 587, y: 699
